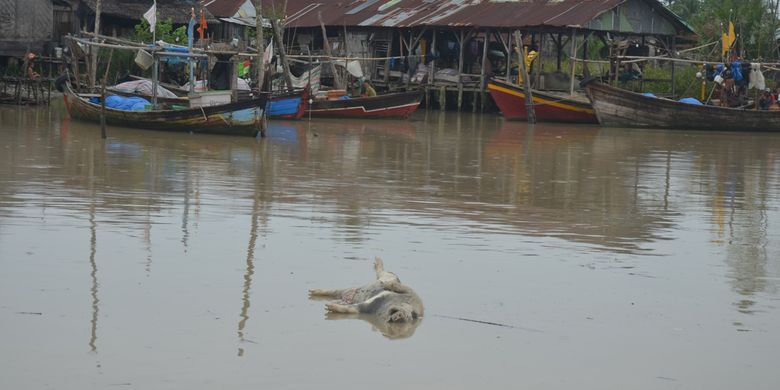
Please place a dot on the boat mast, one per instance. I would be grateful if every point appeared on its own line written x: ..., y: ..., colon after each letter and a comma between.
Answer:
x: 260, y: 44
x: 155, y: 59
x: 190, y: 28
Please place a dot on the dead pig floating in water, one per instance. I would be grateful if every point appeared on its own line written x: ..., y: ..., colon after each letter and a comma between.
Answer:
x: 390, y: 306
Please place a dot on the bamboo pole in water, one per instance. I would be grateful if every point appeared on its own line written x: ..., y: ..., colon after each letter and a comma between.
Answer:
x: 277, y: 31
x: 260, y: 44
x: 529, y: 100
x: 103, y: 96
x: 573, y: 43
x: 326, y: 45
x: 93, y: 54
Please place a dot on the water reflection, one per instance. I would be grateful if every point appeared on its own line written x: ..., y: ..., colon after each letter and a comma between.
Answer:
x: 93, y: 276
x: 595, y: 190
x: 391, y: 330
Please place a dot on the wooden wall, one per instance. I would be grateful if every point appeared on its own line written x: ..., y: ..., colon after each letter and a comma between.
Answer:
x: 25, y: 25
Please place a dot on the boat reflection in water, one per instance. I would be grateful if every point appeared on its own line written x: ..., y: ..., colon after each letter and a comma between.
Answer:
x: 191, y: 254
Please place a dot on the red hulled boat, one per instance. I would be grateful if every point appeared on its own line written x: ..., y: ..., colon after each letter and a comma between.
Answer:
x: 549, y: 107
x: 393, y: 105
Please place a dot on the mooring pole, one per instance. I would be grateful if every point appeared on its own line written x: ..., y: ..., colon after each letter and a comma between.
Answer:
x: 529, y: 99
x: 103, y: 96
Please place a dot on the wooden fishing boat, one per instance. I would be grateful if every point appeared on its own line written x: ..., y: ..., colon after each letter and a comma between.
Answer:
x: 280, y: 105
x: 393, y: 105
x: 288, y: 105
x: 239, y: 118
x: 181, y: 100
x: 620, y: 108
x: 549, y: 107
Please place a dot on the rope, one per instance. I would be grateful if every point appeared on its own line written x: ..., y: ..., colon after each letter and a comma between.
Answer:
x: 332, y: 58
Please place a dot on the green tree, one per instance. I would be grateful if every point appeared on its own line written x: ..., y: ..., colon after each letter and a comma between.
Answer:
x: 755, y: 22
x: 165, y: 32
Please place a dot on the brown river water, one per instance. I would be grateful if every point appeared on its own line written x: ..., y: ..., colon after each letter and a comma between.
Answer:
x: 548, y: 257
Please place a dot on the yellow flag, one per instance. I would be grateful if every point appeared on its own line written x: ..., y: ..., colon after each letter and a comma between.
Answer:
x: 728, y: 39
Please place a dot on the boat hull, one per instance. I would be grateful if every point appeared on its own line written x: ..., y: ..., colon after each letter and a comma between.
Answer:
x: 289, y: 105
x: 510, y: 99
x: 394, y: 105
x: 240, y: 118
x: 620, y: 108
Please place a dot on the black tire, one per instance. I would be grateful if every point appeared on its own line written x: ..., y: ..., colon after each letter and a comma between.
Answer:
x: 59, y: 82
x: 588, y: 80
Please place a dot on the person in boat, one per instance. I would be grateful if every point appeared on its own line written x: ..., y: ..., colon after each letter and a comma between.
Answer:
x: 631, y: 71
x: 766, y: 100
x: 368, y: 90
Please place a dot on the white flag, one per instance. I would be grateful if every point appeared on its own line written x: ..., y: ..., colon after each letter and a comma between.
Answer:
x: 268, y: 53
x: 151, y: 16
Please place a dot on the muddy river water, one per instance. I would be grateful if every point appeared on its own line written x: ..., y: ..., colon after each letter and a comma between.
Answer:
x: 548, y: 257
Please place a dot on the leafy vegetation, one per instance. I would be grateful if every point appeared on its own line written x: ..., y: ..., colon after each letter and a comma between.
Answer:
x: 164, y: 31
x: 755, y: 22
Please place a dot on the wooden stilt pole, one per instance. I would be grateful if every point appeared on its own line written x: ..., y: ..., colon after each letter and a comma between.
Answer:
x: 508, y: 47
x: 673, y: 54
x: 484, y: 75
x: 443, y: 98
x: 277, y: 31
x: 432, y: 62
x: 387, y: 60
x: 529, y: 99
x: 461, y: 43
x: 103, y: 96
x: 260, y: 44
x: 573, y: 43
x: 336, y: 79
x: 93, y: 52
x: 585, y: 70
x: 539, y: 68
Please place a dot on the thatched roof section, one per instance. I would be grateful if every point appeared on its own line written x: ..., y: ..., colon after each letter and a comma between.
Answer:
x: 177, y: 10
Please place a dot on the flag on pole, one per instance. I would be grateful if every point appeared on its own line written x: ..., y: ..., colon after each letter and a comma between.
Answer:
x: 151, y: 16
x: 728, y: 39
x: 202, y: 26
x: 268, y: 53
x: 244, y: 67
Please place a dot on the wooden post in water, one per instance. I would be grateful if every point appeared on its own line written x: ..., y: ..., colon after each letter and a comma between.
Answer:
x: 260, y: 44
x: 432, y: 62
x: 155, y: 76
x: 484, y: 75
x: 443, y: 98
x: 103, y: 113
x: 461, y: 43
x: 529, y: 99
x: 573, y: 43
x: 585, y: 70
x: 539, y: 63
x: 387, y: 59
x: 336, y: 79
x: 76, y: 73
x: 508, y: 47
x: 93, y: 53
x: 672, y: 55
x: 277, y: 31
x: 103, y: 96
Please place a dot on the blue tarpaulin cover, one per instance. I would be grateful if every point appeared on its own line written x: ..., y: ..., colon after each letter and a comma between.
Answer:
x: 691, y: 100
x: 134, y: 103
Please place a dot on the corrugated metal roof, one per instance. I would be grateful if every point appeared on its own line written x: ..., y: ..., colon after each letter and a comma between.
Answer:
x: 176, y: 10
x: 460, y: 13
x: 222, y: 8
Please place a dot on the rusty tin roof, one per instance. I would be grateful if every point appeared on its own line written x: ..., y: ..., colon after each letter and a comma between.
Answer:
x: 460, y: 13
